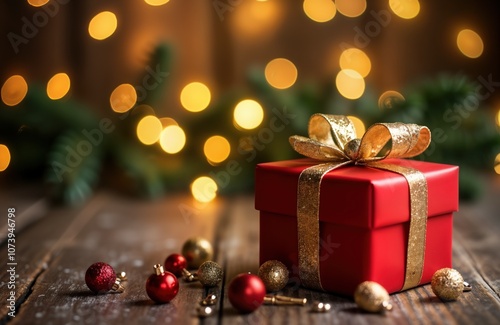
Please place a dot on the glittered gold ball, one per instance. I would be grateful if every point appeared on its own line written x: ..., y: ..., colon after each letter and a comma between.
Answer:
x: 210, y: 274
x: 371, y: 296
x: 447, y: 284
x: 196, y: 251
x: 274, y: 274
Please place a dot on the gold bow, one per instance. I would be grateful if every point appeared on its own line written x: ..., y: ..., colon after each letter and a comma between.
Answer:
x: 332, y: 138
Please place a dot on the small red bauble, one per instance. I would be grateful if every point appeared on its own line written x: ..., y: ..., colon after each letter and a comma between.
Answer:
x: 246, y: 292
x: 175, y: 263
x: 162, y: 286
x: 100, y: 277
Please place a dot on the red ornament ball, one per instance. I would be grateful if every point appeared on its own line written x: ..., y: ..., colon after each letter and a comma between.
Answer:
x: 100, y: 277
x: 175, y: 263
x: 246, y: 292
x: 162, y: 286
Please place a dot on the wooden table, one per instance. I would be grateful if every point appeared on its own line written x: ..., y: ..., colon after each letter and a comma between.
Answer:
x: 55, y: 246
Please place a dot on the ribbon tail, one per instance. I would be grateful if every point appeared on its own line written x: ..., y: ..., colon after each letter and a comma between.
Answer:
x: 308, y: 199
x: 418, y: 222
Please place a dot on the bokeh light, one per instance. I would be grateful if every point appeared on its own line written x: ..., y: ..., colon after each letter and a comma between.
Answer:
x: 123, y: 98
x: 204, y: 189
x: 195, y: 97
x: 156, y: 2
x: 58, y: 86
x: 356, y: 60
x: 498, y: 118
x: 172, y: 139
x: 253, y: 19
x: 248, y: 114
x: 389, y: 98
x: 497, y: 164
x: 281, y: 73
x: 358, y: 125
x: 14, y: 90
x: 216, y: 149
x: 166, y: 121
x: 350, y: 84
x: 103, y: 25
x: 406, y: 9
x: 37, y: 3
x: 4, y: 157
x: 351, y: 8
x: 149, y: 129
x: 320, y: 10
x: 470, y: 43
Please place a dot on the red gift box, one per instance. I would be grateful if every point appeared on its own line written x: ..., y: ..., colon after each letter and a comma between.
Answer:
x: 364, y: 221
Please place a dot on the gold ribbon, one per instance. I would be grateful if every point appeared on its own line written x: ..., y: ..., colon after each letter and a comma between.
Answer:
x: 332, y: 138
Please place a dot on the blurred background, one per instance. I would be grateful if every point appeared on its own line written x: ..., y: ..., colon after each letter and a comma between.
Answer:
x: 147, y: 97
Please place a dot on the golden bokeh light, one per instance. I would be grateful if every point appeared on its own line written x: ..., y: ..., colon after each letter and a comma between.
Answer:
x: 216, y: 149
x: 497, y: 164
x: 58, y: 86
x: 14, y: 90
x: 37, y: 3
x: 195, y: 97
x: 204, y: 189
x: 389, y: 98
x: 156, y: 2
x: 320, y: 10
x: 123, y: 98
x: 358, y: 125
x: 470, y: 43
x: 149, y: 129
x: 172, y: 139
x: 406, y: 9
x: 356, y: 60
x: 281, y: 73
x: 103, y: 25
x: 166, y: 121
x: 4, y: 157
x: 498, y: 118
x: 248, y: 114
x: 253, y: 19
x: 351, y: 8
x: 350, y: 84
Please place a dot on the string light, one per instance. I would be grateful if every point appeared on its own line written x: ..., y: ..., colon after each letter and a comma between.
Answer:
x: 320, y: 10
x: 389, y: 98
x: 281, y: 73
x: 351, y: 8
x: 156, y: 2
x: 350, y: 84
x: 216, y: 149
x: 58, y: 86
x: 406, y: 9
x: 149, y: 129
x: 4, y: 157
x: 172, y: 139
x: 497, y: 164
x: 195, y: 97
x: 103, y: 25
x: 37, y: 3
x: 204, y: 189
x: 248, y: 114
x: 358, y: 125
x: 123, y: 98
x: 470, y: 43
x: 357, y: 60
x: 14, y: 90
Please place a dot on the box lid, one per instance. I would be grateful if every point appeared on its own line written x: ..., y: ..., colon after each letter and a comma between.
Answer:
x: 356, y: 195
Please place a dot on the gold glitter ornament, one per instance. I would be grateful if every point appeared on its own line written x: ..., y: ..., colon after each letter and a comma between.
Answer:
x: 371, y: 296
x: 447, y: 284
x: 210, y: 274
x: 197, y: 250
x: 274, y: 274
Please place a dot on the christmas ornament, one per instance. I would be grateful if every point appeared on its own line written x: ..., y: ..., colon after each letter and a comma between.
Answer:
x: 204, y: 311
x: 274, y: 274
x: 283, y: 300
x: 175, y: 263
x: 100, y: 278
x: 162, y: 286
x: 210, y: 274
x: 209, y: 300
x: 448, y: 284
x: 320, y: 307
x: 122, y: 276
x: 246, y: 292
x: 196, y: 251
x: 372, y: 297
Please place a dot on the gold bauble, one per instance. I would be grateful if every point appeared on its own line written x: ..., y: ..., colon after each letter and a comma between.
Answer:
x: 210, y: 274
x: 447, y: 284
x: 196, y: 251
x: 274, y: 274
x: 372, y: 297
